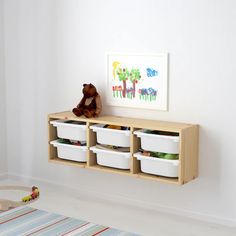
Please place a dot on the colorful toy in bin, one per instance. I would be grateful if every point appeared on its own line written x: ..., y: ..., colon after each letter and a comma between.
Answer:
x: 162, y: 155
x: 118, y: 127
x: 113, y: 127
x: 72, y: 142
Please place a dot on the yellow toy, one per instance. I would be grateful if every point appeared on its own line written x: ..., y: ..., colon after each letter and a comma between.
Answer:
x: 7, y: 204
x: 114, y: 127
x: 32, y: 196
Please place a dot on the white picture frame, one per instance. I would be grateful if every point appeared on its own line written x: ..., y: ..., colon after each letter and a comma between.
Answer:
x: 137, y: 80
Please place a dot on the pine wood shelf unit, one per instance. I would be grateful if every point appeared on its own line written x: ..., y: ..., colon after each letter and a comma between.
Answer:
x: 188, y: 145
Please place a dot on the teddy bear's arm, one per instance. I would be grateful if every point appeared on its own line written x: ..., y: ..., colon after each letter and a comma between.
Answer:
x: 98, y: 105
x: 82, y: 102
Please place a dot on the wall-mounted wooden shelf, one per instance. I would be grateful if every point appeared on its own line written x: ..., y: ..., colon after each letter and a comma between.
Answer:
x: 188, y: 145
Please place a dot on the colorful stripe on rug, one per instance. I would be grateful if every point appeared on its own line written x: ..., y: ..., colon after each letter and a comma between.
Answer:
x: 27, y: 221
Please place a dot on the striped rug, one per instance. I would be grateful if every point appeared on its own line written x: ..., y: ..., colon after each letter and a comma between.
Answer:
x: 23, y: 221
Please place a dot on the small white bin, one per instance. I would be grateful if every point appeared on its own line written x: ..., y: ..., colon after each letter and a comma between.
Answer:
x: 158, y: 166
x: 120, y: 160
x: 72, y: 131
x: 158, y: 143
x: 70, y: 152
x: 111, y: 136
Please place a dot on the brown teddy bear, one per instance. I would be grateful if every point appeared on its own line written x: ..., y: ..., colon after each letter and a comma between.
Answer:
x: 90, y: 105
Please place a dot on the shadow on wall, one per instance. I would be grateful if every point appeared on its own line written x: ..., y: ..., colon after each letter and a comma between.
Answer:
x: 210, y: 154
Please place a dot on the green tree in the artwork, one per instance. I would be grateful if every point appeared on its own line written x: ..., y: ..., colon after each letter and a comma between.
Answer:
x: 123, y: 75
x: 134, y: 78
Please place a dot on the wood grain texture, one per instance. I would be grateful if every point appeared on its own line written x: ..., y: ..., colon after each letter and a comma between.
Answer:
x: 91, y: 141
x: 67, y: 162
x: 188, y: 146
x: 134, y: 147
x: 125, y: 121
x: 52, y: 135
x: 110, y: 169
x: 159, y: 178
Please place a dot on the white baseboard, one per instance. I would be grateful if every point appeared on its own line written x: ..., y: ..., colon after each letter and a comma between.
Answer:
x: 123, y: 200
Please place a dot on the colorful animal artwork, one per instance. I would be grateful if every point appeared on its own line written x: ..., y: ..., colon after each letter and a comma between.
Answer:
x: 151, y: 72
x: 132, y: 76
x: 147, y: 94
x: 138, y: 80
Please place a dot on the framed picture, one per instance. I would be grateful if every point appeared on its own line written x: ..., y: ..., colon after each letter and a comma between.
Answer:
x: 137, y: 80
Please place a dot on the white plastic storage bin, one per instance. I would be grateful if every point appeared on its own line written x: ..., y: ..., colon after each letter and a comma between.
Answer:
x: 70, y: 152
x: 120, y: 160
x: 111, y: 136
x: 72, y: 131
x: 158, y: 143
x: 158, y: 166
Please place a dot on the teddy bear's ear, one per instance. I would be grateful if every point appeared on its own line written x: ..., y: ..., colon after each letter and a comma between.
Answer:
x: 90, y: 85
x: 84, y: 85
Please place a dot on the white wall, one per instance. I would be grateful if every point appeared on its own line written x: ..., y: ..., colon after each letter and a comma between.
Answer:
x: 3, y: 160
x: 53, y: 47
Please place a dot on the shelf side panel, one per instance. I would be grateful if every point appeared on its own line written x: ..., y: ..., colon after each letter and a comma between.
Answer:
x: 91, y: 141
x: 52, y: 135
x: 134, y: 147
x: 189, y: 154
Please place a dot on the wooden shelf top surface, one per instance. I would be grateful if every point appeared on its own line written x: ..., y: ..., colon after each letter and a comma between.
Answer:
x: 125, y: 121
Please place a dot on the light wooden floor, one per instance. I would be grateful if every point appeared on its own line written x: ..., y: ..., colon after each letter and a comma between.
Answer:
x: 140, y: 221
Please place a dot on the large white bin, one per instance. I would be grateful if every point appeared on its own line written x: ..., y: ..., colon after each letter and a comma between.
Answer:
x: 158, y: 143
x: 70, y: 131
x: 111, y: 136
x: 158, y: 166
x: 70, y: 152
x: 120, y: 160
